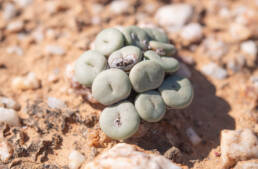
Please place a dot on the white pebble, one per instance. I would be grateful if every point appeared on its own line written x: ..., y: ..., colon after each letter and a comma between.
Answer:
x: 238, y: 145
x: 212, y: 69
x: 215, y: 49
x: 15, y: 50
x: 9, y: 116
x: 192, y: 32
x: 193, y: 136
x: 38, y: 35
x: 75, y: 159
x: 251, y: 164
x: 15, y: 26
x: 184, y: 71
x: 24, y: 83
x: 249, y: 47
x: 8, y: 103
x: 128, y: 156
x: 54, y: 50
x: 9, y: 11
x: 254, y: 80
x: 176, y: 15
x: 5, y: 150
x: 55, y: 103
x: 119, y: 6
x: 23, y: 3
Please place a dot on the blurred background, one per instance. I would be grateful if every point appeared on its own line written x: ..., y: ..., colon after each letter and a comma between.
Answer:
x: 217, y: 43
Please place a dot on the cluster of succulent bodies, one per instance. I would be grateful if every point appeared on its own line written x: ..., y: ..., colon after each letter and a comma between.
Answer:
x: 132, y: 61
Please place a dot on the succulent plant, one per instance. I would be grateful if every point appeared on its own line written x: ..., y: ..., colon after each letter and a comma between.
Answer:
x: 108, y: 41
x: 150, y: 106
x: 88, y: 65
x: 111, y: 86
x: 119, y: 121
x: 177, y: 92
x: 136, y: 36
x: 156, y: 34
x: 146, y: 75
x: 168, y: 64
x: 125, y: 58
x: 162, y: 49
x: 132, y: 61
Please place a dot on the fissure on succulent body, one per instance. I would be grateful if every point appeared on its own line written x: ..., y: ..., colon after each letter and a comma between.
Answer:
x: 132, y: 59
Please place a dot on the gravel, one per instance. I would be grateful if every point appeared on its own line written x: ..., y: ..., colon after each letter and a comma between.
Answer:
x: 119, y: 7
x: 24, y: 83
x: 249, y: 47
x: 215, y: 71
x: 193, y: 136
x: 9, y: 11
x: 55, y: 103
x: 15, y: 50
x: 9, y: 116
x: 75, y: 159
x: 238, y: 145
x: 192, y: 32
x: 175, y: 16
x: 54, y: 50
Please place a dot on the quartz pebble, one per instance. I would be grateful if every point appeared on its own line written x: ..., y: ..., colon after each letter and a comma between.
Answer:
x: 5, y: 150
x: 24, y: 83
x: 54, y: 50
x: 75, y: 159
x: 192, y: 32
x: 55, y: 103
x: 119, y: 6
x: 213, y: 70
x: 176, y: 15
x: 9, y: 11
x: 8, y: 103
x: 250, y: 164
x: 23, y: 3
x: 215, y: 49
x: 249, y: 47
x: 193, y: 136
x: 15, y: 50
x: 238, y: 145
x: 127, y: 156
x: 15, y: 26
x: 9, y: 116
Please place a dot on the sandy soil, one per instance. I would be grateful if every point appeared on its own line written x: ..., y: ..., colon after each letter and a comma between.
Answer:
x: 48, y: 135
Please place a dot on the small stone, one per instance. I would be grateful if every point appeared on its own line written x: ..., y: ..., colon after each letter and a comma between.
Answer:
x: 176, y: 15
x: 15, y: 50
x: 38, y: 35
x: 9, y: 11
x: 215, y: 49
x: 8, y: 103
x: 239, y: 32
x: 9, y: 116
x: 15, y: 26
x: 24, y: 83
x: 54, y: 50
x: 238, y: 145
x: 75, y: 159
x: 192, y: 32
x: 119, y: 6
x: 173, y: 154
x: 23, y: 3
x: 193, y: 136
x: 249, y: 47
x: 250, y: 164
x: 128, y: 156
x: 215, y: 71
x: 5, y: 150
x: 55, y: 103
x: 184, y: 71
x: 254, y: 80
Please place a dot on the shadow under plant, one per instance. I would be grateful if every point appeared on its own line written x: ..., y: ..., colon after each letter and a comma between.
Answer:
x: 207, y: 115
